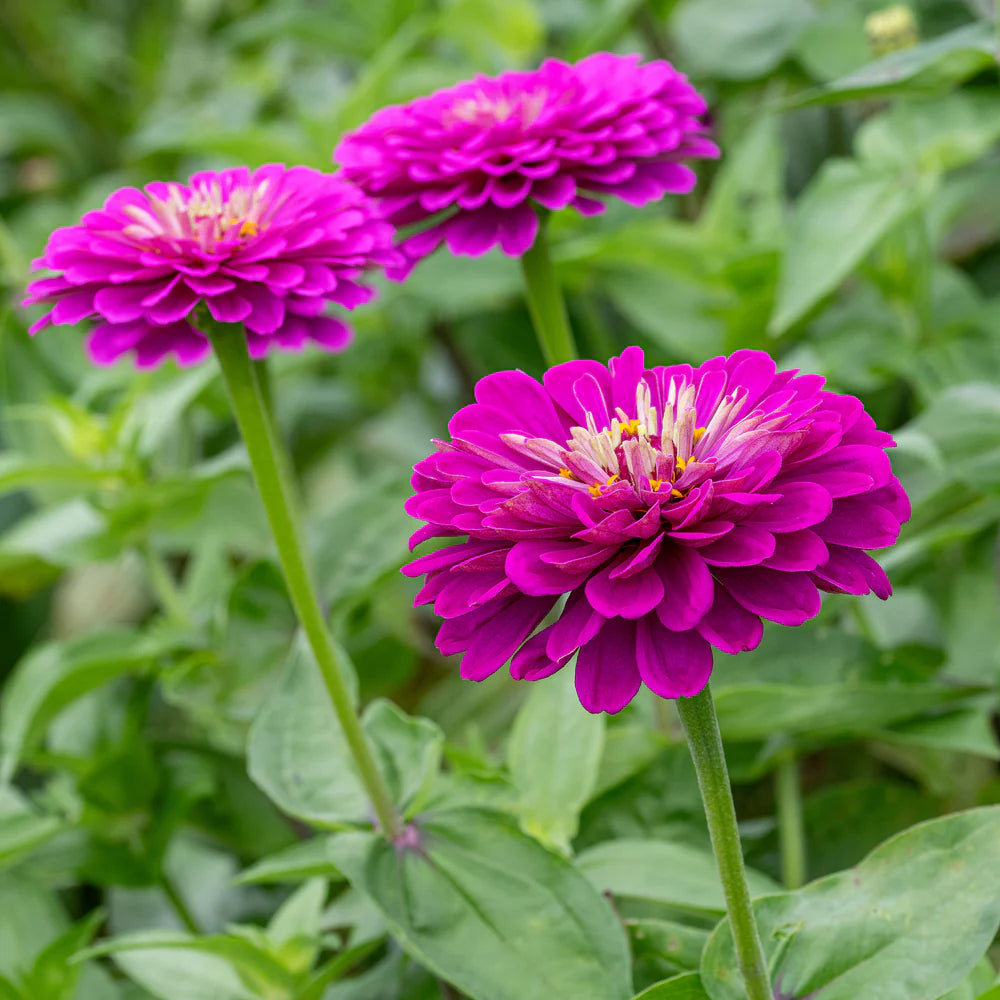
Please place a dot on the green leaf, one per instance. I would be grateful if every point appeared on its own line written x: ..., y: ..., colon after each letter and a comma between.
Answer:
x: 842, y: 215
x: 686, y: 987
x: 964, y: 731
x: 487, y: 908
x: 928, y: 68
x: 668, y: 942
x: 408, y: 749
x: 53, y: 675
x: 932, y: 136
x: 971, y: 988
x: 334, y: 969
x: 175, y: 966
x: 846, y: 821
x: 38, y: 546
x: 300, y: 914
x: 906, y: 924
x: 964, y: 423
x: 19, y: 472
x: 491, y: 34
x: 153, y: 416
x: 554, y: 755
x: 824, y: 711
x: 306, y: 769
x: 680, y: 875
x: 294, y: 930
x: 30, y: 919
x: 293, y: 864
x: 22, y: 828
x: 738, y: 42
x: 54, y: 976
x: 361, y: 538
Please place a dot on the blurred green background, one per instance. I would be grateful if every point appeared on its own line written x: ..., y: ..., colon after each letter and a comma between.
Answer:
x: 851, y: 227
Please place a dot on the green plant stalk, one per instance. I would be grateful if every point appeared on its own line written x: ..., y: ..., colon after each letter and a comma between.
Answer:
x: 162, y: 583
x: 545, y: 301
x: 180, y: 907
x: 273, y: 482
x: 791, y: 830
x: 702, y: 729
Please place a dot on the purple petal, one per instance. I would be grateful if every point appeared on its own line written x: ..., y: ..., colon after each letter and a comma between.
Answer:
x: 627, y: 596
x: 607, y: 676
x: 745, y: 545
x: 493, y: 646
x: 785, y: 598
x: 687, y: 588
x: 672, y: 664
x: 729, y: 626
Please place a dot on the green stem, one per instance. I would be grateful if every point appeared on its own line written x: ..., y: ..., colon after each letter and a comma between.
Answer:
x: 177, y: 902
x: 791, y: 831
x: 545, y: 301
x: 262, y: 373
x: 163, y: 584
x: 269, y: 466
x: 702, y: 729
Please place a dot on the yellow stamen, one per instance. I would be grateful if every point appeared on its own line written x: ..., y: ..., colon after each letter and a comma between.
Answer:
x: 631, y: 427
x: 655, y: 484
x: 682, y: 462
x: 699, y: 433
x: 676, y: 494
x: 249, y: 228
x: 595, y: 490
x: 566, y: 474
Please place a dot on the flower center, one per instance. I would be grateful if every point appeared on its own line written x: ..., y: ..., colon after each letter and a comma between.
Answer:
x: 651, y: 456
x: 483, y: 110
x: 205, y: 214
x: 646, y: 454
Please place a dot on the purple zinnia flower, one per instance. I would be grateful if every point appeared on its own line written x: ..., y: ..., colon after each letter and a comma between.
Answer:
x: 267, y: 249
x: 675, y: 506
x: 487, y: 150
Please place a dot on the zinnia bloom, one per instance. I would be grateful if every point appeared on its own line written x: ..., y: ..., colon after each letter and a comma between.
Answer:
x: 675, y: 506
x: 486, y: 151
x: 267, y: 249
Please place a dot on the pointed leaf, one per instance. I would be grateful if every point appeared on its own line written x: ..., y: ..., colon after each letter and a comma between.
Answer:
x: 931, y: 67
x: 305, y: 767
x: 679, y: 875
x: 842, y: 215
x: 554, y: 756
x: 487, y: 908
x: 686, y: 987
x: 908, y: 923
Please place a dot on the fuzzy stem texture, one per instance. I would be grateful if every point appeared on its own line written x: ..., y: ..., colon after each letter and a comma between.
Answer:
x: 791, y: 830
x: 545, y: 301
x: 270, y: 471
x: 702, y: 729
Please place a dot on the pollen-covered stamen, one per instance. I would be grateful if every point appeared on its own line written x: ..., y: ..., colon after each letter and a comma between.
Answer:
x: 630, y: 449
x: 484, y: 109
x: 206, y: 214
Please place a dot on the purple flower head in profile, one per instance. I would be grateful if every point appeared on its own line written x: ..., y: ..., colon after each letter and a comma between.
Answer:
x: 268, y: 249
x: 486, y: 151
x: 674, y: 507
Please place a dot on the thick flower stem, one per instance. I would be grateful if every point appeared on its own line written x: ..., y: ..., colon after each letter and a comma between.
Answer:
x: 791, y: 831
x: 545, y: 301
x: 702, y: 729
x: 269, y: 466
